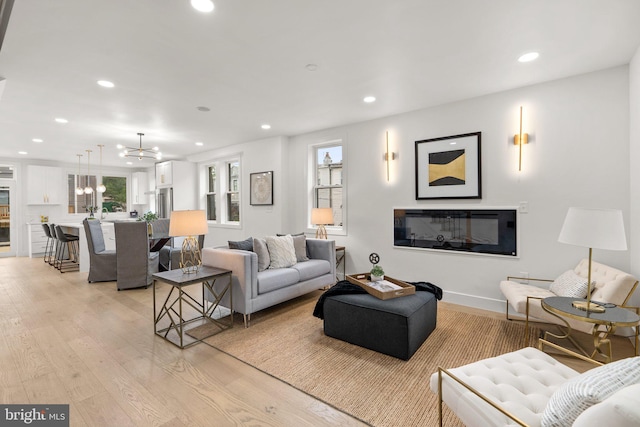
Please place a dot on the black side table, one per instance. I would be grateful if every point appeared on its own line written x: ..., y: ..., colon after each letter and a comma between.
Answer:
x: 216, y: 280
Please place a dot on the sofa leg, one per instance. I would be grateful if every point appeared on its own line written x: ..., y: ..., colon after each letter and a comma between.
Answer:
x: 247, y: 319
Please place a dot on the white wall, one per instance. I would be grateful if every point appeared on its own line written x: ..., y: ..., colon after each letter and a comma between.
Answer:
x: 634, y: 173
x: 577, y: 156
x: 256, y: 221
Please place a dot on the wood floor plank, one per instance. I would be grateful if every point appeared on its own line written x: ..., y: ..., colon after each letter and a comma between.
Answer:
x: 137, y: 402
x: 72, y: 373
x: 102, y: 410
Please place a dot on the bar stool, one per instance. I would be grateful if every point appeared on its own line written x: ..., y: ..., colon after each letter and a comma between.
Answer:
x: 48, y: 248
x: 55, y: 242
x: 71, y: 242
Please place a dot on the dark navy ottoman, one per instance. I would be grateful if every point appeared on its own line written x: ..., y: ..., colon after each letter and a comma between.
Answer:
x: 396, y: 326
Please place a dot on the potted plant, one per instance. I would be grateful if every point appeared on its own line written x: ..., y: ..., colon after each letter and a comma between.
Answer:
x: 377, y: 273
x: 149, y: 217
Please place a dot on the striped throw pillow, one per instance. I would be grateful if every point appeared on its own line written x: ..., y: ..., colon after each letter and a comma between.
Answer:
x: 588, y: 389
x: 569, y: 284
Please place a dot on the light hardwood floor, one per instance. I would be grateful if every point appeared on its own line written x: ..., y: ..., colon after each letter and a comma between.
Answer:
x: 64, y: 340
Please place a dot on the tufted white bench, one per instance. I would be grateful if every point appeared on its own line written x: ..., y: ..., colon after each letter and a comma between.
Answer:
x: 611, y: 285
x: 523, y: 383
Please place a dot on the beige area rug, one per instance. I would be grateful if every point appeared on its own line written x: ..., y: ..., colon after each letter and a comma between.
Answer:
x: 289, y: 343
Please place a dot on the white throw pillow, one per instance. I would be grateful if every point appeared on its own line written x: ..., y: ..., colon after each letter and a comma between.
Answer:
x: 569, y: 284
x: 281, y: 251
x: 588, y: 389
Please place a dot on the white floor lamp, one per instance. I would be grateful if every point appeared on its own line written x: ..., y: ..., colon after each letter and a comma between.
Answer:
x: 593, y: 228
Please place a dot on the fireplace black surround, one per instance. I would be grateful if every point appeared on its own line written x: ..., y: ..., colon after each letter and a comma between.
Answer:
x: 486, y: 231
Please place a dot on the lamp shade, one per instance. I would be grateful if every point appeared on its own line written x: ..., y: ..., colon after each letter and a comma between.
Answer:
x: 594, y: 228
x: 187, y: 223
x: 321, y: 216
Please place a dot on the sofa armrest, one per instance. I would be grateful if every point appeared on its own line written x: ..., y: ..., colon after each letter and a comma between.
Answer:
x: 244, y: 270
x: 323, y: 249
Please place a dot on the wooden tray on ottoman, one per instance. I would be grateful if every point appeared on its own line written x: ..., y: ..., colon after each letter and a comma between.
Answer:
x: 364, y: 280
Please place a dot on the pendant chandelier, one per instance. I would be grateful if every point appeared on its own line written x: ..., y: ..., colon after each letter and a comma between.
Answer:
x: 79, y: 190
x: 88, y: 189
x: 101, y: 188
x: 141, y: 153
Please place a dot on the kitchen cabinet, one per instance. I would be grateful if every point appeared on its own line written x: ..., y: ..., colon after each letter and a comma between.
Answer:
x: 37, y: 240
x: 164, y: 174
x: 139, y: 186
x: 45, y: 185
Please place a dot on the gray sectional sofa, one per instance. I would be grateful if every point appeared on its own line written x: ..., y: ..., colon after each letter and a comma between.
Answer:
x: 255, y: 290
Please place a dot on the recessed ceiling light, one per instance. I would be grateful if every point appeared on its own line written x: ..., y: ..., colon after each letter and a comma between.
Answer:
x: 266, y: 126
x: 22, y: 152
x: 129, y: 163
x: 311, y: 67
x: 202, y: 5
x: 369, y: 99
x: 105, y: 83
x: 199, y: 144
x: 528, y: 57
x: 37, y: 140
x: 119, y: 146
x: 202, y: 108
x: 61, y: 120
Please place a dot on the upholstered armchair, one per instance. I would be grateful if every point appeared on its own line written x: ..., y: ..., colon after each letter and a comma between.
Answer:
x: 136, y: 264
x: 609, y: 285
x: 102, y: 262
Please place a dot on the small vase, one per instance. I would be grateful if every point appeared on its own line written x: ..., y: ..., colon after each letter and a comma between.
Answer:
x: 376, y: 278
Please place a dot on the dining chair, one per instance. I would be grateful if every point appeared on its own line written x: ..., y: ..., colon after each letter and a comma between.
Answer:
x: 102, y: 261
x: 136, y: 264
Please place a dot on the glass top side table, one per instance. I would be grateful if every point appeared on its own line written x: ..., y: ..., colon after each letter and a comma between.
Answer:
x: 604, y: 324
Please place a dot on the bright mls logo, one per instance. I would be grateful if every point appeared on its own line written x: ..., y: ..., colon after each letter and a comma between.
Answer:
x: 36, y: 415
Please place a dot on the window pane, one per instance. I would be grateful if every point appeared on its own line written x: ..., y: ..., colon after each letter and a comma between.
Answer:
x: 328, y: 191
x: 234, y: 176
x: 211, y: 207
x: 212, y: 179
x: 114, y: 199
x: 233, y: 207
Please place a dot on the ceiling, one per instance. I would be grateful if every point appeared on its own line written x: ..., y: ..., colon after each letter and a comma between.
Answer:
x: 247, y: 62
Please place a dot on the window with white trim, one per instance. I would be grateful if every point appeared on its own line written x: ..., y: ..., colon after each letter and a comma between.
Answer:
x: 223, y: 191
x: 329, y: 186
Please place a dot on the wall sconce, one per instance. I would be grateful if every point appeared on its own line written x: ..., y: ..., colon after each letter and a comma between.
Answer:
x: 388, y: 156
x: 520, y: 139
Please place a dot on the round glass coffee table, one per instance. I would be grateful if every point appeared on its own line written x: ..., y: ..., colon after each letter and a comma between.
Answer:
x: 604, y: 324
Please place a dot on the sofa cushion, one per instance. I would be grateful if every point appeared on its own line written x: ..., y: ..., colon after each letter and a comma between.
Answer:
x: 569, y: 284
x: 588, y: 389
x: 245, y: 245
x: 271, y: 280
x: 260, y: 248
x: 281, y: 251
x: 312, y: 268
x: 621, y: 409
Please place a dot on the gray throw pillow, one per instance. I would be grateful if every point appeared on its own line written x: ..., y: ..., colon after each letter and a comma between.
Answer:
x: 260, y: 248
x: 300, y: 245
x: 245, y: 245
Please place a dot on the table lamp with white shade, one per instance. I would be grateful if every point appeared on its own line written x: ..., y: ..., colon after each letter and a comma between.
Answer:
x: 593, y: 228
x: 189, y: 224
x: 321, y: 217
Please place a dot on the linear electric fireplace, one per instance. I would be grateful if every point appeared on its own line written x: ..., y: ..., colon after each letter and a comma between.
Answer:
x: 487, y: 231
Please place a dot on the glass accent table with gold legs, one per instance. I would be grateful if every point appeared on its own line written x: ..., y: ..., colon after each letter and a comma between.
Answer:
x: 605, y: 324
x: 341, y: 253
x: 169, y: 322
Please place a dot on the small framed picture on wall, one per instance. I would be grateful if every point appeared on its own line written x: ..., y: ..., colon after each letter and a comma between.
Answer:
x: 261, y: 190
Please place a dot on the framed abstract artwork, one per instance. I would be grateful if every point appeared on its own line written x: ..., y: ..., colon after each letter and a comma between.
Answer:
x: 261, y: 188
x: 449, y: 167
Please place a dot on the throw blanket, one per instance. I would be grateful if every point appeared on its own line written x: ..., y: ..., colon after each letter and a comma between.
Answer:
x: 345, y: 287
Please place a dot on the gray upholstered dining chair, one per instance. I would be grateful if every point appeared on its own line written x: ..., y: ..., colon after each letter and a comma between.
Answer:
x: 136, y: 264
x: 102, y: 262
